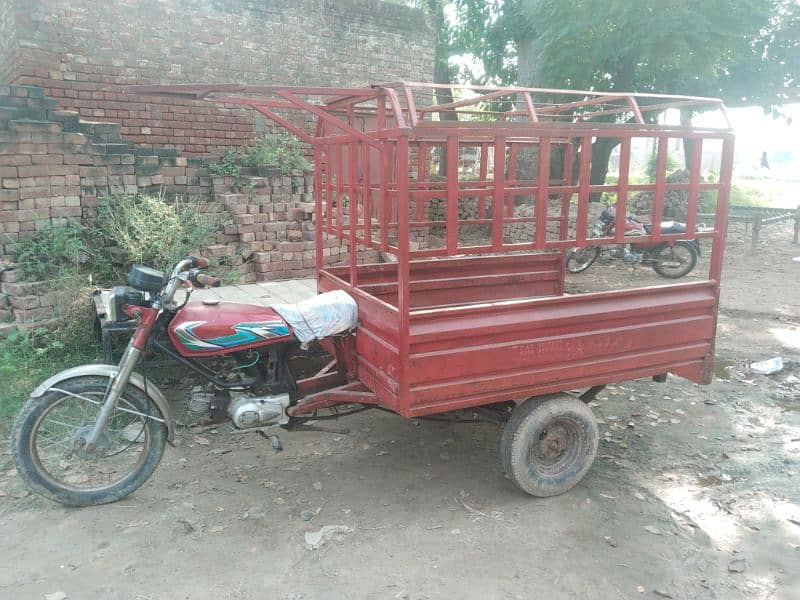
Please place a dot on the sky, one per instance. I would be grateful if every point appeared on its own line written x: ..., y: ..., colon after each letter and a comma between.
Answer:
x: 757, y: 133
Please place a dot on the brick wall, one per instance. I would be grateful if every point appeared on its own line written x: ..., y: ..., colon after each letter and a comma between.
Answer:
x: 8, y: 42
x: 54, y: 165
x: 83, y: 51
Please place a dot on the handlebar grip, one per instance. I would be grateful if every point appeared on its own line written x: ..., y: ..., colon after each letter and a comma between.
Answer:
x: 207, y: 280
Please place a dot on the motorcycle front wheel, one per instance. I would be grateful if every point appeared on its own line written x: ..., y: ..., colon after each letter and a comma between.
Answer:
x: 48, y: 451
x: 580, y: 259
x: 673, y: 262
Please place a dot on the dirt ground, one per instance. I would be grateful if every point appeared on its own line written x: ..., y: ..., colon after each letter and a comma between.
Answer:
x: 695, y: 495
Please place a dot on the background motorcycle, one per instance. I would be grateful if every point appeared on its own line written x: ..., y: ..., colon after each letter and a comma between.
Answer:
x: 93, y: 434
x: 670, y: 260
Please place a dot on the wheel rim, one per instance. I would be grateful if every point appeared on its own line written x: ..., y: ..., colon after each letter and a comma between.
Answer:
x: 556, y: 448
x: 120, y: 452
x: 675, y: 259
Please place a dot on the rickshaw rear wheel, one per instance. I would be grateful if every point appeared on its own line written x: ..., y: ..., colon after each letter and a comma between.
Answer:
x: 549, y: 444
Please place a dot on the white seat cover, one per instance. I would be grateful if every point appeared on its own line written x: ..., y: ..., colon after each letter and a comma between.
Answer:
x: 320, y: 316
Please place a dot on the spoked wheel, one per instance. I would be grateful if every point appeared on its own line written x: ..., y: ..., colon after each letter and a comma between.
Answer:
x: 549, y: 444
x: 580, y: 259
x: 48, y: 449
x: 675, y: 261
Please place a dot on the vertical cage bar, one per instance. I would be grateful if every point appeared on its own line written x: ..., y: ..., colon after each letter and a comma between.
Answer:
x: 353, y: 210
x: 367, y: 196
x: 383, y: 202
x: 483, y: 174
x: 403, y: 267
x: 422, y: 177
x: 339, y: 190
x: 512, y: 179
x: 622, y: 189
x: 451, y: 225
x: 563, y: 224
x: 694, y: 185
x: 330, y: 154
x: 318, y: 211
x: 658, y: 195
x: 499, y: 191
x: 542, y: 193
x: 721, y: 221
x: 583, y: 189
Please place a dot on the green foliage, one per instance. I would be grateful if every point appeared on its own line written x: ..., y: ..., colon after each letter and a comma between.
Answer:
x: 747, y: 195
x: 228, y: 165
x: 277, y: 150
x: 51, y: 252
x: 150, y: 230
x: 29, y: 356
x: 652, y: 164
x: 744, y: 52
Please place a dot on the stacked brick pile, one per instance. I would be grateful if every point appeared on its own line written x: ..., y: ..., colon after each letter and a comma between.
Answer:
x: 23, y: 301
x: 272, y: 231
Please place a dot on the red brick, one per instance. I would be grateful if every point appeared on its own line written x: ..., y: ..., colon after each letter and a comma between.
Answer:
x: 24, y: 302
x: 35, y: 192
x: 34, y: 314
x: 48, y: 159
x: 34, y: 171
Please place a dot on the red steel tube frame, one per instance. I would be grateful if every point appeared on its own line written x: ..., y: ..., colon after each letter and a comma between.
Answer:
x: 366, y: 141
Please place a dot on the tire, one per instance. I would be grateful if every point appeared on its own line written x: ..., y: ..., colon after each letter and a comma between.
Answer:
x: 684, y: 253
x: 549, y: 444
x: 580, y: 259
x: 148, y: 438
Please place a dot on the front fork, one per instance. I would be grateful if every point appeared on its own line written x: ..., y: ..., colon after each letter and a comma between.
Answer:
x: 113, y: 394
x: 147, y: 320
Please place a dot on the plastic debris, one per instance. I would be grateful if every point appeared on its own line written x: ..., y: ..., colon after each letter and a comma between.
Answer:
x: 737, y: 565
x: 317, y: 539
x: 653, y: 530
x: 767, y: 367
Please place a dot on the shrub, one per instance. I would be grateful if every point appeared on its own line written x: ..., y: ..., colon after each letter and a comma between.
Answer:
x: 29, y: 356
x: 147, y: 229
x: 228, y: 165
x: 673, y: 164
x: 278, y: 150
x: 52, y: 252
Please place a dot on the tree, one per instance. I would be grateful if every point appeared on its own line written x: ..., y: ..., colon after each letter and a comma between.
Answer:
x: 745, y: 52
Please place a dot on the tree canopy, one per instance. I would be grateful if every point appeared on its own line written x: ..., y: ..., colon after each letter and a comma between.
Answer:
x: 746, y: 52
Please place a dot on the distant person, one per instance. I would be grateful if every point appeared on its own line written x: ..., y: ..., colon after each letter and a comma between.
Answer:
x: 764, y: 161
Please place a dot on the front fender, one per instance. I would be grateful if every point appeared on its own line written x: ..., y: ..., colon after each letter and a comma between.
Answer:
x: 136, y: 380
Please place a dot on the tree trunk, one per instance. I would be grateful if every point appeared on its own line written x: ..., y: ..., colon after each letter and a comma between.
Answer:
x: 527, y: 76
x: 441, y: 73
x: 527, y: 68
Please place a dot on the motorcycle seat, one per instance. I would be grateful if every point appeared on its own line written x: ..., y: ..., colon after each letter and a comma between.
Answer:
x: 321, y: 316
x: 667, y: 227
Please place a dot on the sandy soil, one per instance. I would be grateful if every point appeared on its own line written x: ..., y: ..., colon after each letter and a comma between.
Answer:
x: 695, y: 494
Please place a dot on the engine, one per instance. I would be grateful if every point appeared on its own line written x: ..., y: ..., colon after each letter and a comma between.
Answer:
x: 245, y: 411
x: 250, y: 411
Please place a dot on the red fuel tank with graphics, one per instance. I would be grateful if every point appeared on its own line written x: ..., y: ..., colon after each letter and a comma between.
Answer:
x: 214, y: 329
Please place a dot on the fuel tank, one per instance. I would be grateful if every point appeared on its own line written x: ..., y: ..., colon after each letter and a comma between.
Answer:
x: 214, y: 329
